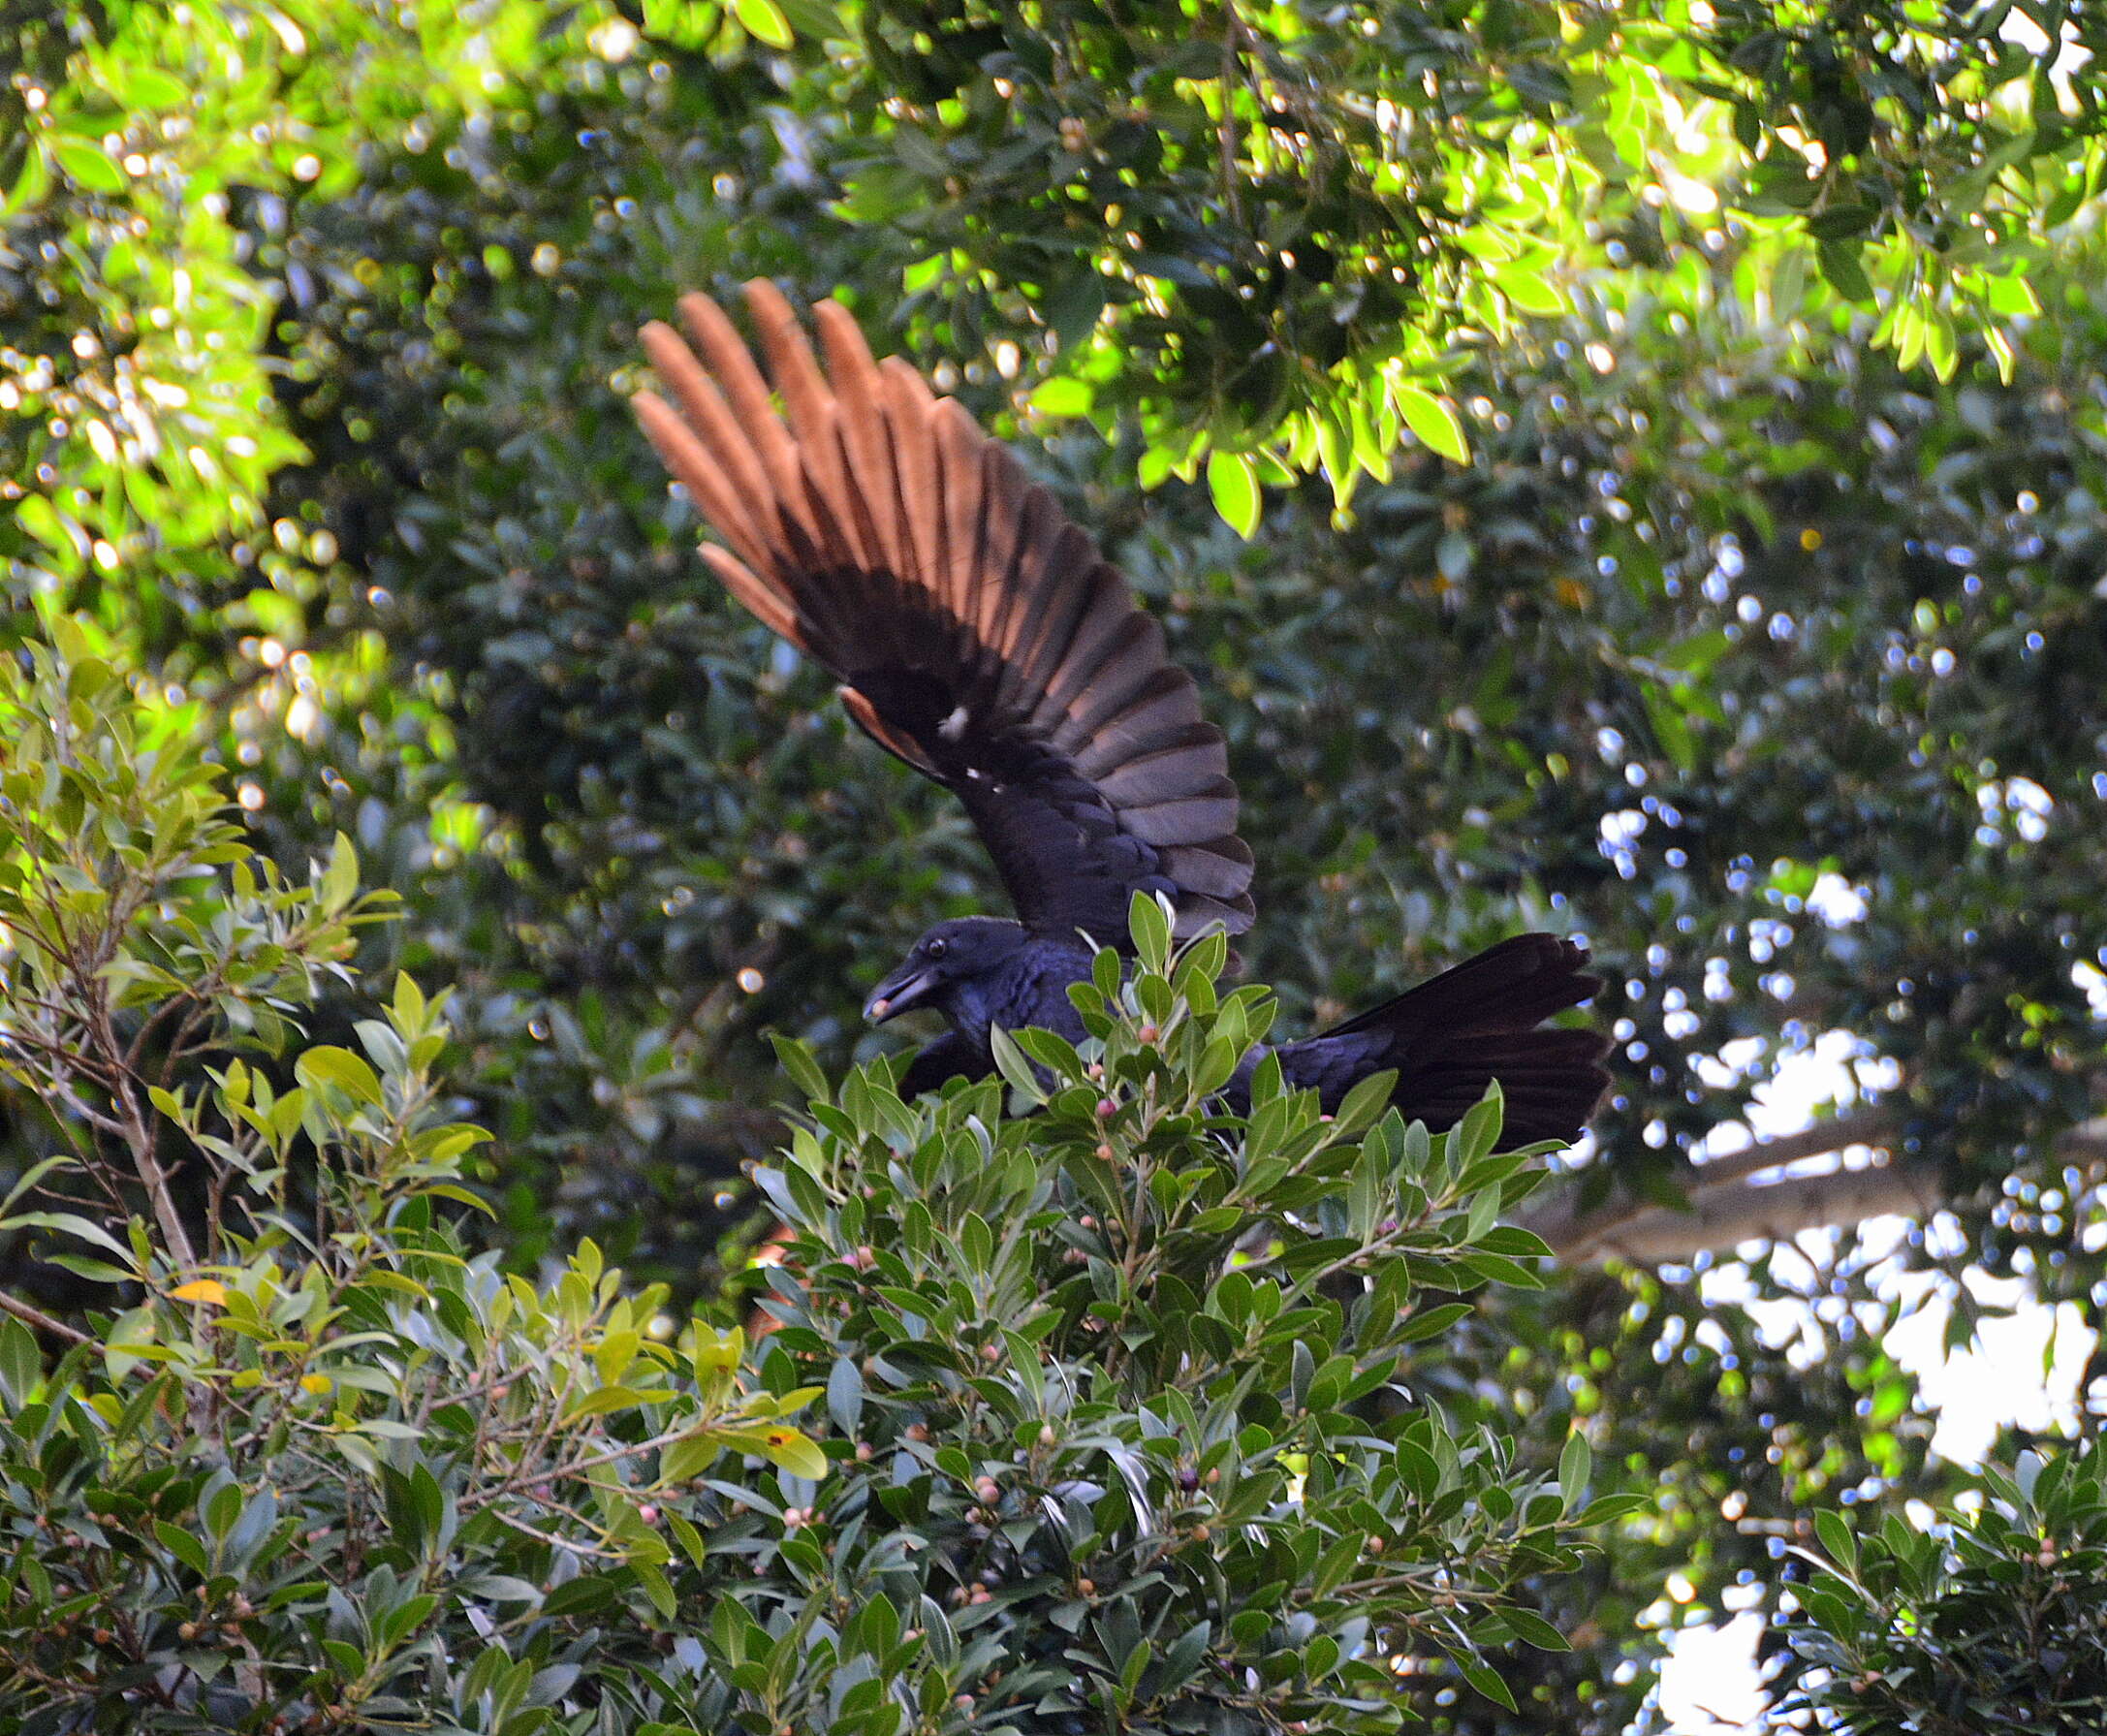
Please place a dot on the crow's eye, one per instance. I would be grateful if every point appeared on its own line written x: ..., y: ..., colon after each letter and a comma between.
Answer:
x: 936, y: 948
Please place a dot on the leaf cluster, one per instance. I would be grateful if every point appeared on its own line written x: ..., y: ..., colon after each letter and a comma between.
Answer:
x: 1133, y: 1376
x: 299, y: 1417
x: 1986, y: 1620
x: 1120, y: 1421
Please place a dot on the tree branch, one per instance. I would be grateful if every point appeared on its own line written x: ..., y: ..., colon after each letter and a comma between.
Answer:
x: 1727, y: 1208
x: 40, y: 1321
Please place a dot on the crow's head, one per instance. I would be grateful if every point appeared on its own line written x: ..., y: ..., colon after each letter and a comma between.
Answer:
x: 945, y: 959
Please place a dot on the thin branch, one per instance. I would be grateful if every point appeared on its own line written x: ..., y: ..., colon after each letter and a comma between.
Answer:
x: 1233, y: 34
x: 40, y: 1320
x: 575, y: 1546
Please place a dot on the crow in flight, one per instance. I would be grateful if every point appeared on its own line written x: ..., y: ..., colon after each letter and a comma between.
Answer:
x: 983, y: 637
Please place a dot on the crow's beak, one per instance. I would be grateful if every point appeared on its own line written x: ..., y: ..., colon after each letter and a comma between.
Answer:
x: 905, y: 988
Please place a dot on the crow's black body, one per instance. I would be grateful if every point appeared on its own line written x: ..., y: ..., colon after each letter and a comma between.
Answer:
x: 983, y: 639
x: 1444, y: 1038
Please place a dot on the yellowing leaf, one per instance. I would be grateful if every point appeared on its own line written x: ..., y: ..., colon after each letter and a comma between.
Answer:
x: 201, y: 1289
x: 791, y: 1450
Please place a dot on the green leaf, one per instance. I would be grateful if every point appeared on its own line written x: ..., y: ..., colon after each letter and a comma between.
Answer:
x: 185, y: 1547
x: 766, y: 20
x: 2009, y: 293
x: 1073, y: 309
x: 72, y: 1224
x: 655, y: 1587
x: 602, y: 1400
x: 1011, y: 1063
x: 687, y: 1459
x: 1063, y: 396
x: 689, y: 1538
x: 1233, y: 482
x: 31, y: 1176
x: 1429, y: 1322
x: 409, y: 1000
x: 339, y: 881
x: 815, y: 20
x: 1606, y: 1507
x: 145, y: 88
x: 845, y: 1394
x: 1576, y: 1465
x: 1148, y: 925
x: 1530, y: 290
x: 796, y: 1059
x: 1480, y: 1126
x: 1846, y: 274
x: 1486, y: 1682
x: 1363, y: 1103
x: 447, y: 1190
x: 36, y: 514
x: 1836, y: 1539
x: 88, y: 165
x: 21, y: 1364
x: 1532, y: 1629
x: 1670, y: 728
x: 575, y: 1596
x: 1499, y: 1269
x: 1433, y: 424
x: 329, y: 1065
x: 30, y: 185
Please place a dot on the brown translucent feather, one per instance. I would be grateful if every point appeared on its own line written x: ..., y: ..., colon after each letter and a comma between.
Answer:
x: 979, y: 635
x: 731, y: 364
x: 770, y: 609
x: 712, y: 493
x: 910, y: 413
x: 959, y: 446
x: 810, y: 408
x: 884, y: 733
x: 719, y: 432
x: 866, y: 443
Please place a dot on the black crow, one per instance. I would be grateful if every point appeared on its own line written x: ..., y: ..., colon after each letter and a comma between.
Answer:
x: 982, y: 638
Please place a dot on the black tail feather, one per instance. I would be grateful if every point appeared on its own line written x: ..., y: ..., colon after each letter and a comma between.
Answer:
x: 1452, y: 1035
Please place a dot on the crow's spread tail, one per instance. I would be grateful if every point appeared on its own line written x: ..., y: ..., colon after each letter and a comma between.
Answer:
x: 1451, y: 1035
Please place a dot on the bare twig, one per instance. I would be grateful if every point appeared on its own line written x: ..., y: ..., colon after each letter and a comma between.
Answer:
x: 40, y: 1320
x: 142, y: 1142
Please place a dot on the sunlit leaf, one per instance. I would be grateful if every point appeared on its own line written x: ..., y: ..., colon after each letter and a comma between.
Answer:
x: 1431, y: 420
x: 1233, y: 482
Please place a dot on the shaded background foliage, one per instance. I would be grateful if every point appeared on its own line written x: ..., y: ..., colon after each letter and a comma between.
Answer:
x: 1775, y: 348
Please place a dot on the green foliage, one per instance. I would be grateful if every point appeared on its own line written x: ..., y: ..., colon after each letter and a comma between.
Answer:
x: 302, y: 1418
x: 137, y: 412
x: 1268, y: 229
x: 1130, y: 1385
x: 1121, y: 1425
x: 1990, y: 1621
x: 1716, y: 568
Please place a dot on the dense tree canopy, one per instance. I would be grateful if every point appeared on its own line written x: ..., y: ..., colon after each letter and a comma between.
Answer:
x: 1632, y: 471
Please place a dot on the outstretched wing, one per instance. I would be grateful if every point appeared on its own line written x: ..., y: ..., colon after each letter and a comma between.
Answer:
x: 977, y: 634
